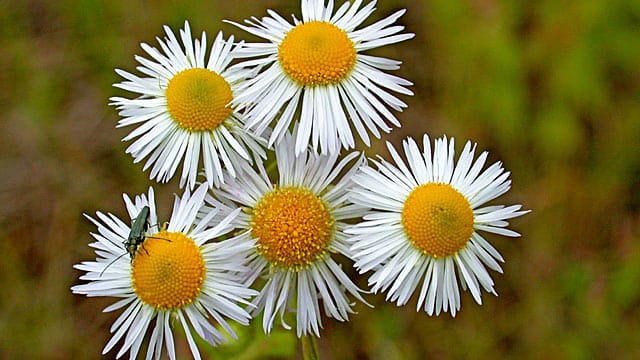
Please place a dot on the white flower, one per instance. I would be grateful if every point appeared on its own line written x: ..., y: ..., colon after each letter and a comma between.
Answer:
x: 316, y: 67
x: 175, y: 273
x: 424, y: 221
x: 183, y: 112
x: 297, y: 225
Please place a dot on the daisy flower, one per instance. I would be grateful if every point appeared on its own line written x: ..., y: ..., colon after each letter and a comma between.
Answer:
x: 316, y: 66
x: 184, y: 109
x: 175, y: 274
x: 424, y: 223
x: 297, y: 225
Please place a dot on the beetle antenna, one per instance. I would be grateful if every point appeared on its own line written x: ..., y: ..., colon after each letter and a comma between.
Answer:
x: 111, y: 263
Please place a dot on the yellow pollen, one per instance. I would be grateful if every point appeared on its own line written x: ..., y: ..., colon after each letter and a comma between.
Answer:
x: 168, y: 270
x: 437, y: 219
x: 317, y: 53
x: 293, y: 227
x: 198, y: 99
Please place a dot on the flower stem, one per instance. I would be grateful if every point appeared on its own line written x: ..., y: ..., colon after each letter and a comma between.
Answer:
x: 309, y: 347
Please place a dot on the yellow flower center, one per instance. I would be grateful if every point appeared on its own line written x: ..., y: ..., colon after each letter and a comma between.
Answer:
x: 198, y: 99
x: 317, y: 53
x: 293, y: 227
x: 437, y: 219
x: 168, y: 270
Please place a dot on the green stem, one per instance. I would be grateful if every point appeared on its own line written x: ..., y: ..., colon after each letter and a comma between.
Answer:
x: 309, y: 347
x: 271, y: 166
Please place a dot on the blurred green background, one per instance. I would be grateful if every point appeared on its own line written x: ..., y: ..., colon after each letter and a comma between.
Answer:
x: 551, y: 88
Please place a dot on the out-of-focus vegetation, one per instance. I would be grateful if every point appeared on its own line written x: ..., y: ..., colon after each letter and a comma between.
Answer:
x: 551, y: 88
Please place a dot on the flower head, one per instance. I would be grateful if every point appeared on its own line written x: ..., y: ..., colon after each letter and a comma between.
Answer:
x: 297, y: 225
x: 174, y: 272
x: 184, y: 110
x: 424, y: 223
x: 316, y: 67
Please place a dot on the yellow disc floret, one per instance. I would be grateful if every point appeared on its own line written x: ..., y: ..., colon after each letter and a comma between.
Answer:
x: 437, y: 219
x: 317, y: 53
x: 293, y: 227
x: 198, y: 99
x: 168, y: 270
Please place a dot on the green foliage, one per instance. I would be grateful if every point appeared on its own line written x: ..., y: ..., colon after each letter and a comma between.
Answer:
x: 253, y: 344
